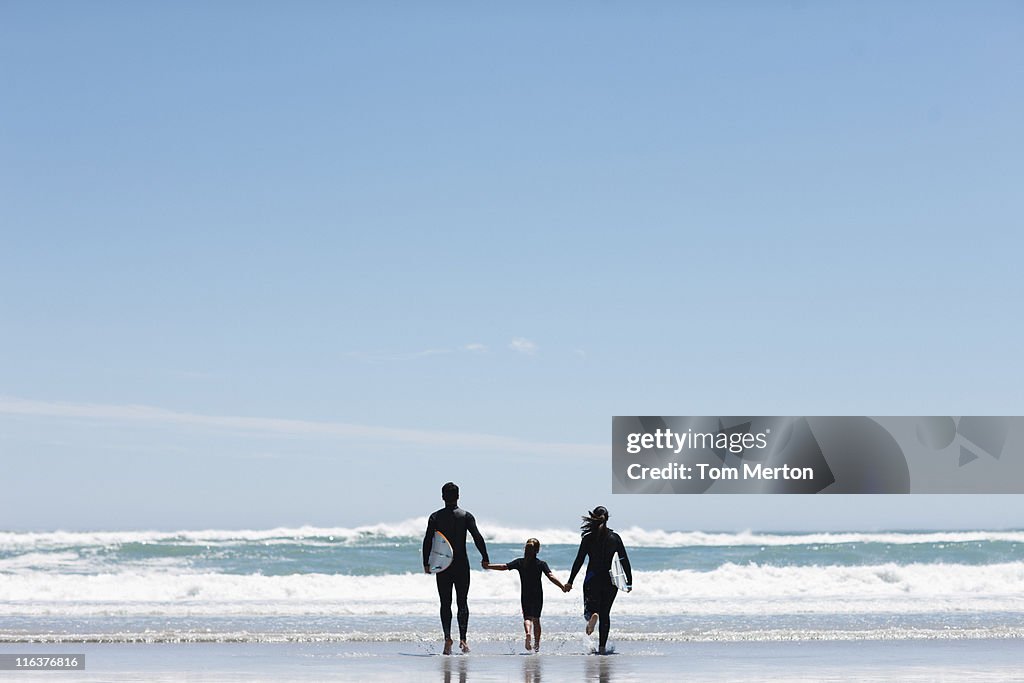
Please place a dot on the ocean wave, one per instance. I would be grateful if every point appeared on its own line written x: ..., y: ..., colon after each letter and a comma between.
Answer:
x: 10, y: 540
x: 728, y: 589
x: 37, y: 560
x: 553, y: 637
x: 411, y: 531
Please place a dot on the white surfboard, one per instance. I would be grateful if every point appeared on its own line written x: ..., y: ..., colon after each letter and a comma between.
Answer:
x: 440, y: 554
x: 618, y: 574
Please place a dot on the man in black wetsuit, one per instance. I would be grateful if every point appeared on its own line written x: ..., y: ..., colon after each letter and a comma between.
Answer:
x: 453, y: 522
x: 599, y: 543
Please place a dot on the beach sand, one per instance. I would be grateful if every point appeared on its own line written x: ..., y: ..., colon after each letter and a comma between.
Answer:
x: 566, y: 660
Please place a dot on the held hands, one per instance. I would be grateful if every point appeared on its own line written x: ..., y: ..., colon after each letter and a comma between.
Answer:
x: 566, y: 588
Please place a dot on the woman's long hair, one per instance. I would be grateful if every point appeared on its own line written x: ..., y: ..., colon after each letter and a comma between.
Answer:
x: 594, y: 521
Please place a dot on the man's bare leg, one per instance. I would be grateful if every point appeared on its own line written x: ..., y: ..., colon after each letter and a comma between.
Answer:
x: 447, y: 646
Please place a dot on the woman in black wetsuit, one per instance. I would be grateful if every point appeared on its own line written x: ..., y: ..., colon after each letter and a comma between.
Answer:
x: 598, y: 544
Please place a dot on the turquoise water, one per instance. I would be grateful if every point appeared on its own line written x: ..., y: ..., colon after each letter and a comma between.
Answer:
x: 370, y: 554
x: 366, y: 583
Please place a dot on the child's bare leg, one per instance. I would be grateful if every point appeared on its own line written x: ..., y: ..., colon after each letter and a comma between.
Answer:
x: 526, y: 627
x: 536, y: 634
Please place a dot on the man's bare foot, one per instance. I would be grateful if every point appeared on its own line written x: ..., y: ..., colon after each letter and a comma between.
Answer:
x: 591, y: 623
x: 447, y: 646
x: 528, y: 645
x: 464, y: 646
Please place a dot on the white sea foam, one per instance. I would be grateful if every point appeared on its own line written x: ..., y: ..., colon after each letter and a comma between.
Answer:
x: 493, y: 532
x: 479, y: 634
x: 304, y: 534
x: 730, y: 589
x: 637, y: 537
x: 34, y: 560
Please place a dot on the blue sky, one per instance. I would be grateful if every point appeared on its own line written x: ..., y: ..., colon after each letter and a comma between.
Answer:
x: 273, y: 264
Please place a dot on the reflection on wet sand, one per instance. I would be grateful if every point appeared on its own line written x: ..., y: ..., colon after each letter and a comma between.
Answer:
x: 455, y: 668
x: 599, y: 668
x: 531, y: 669
x: 594, y: 668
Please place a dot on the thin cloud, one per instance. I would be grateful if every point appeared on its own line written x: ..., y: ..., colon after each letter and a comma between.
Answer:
x: 396, y: 356
x: 523, y: 345
x: 193, y: 374
x: 342, y: 431
x: 386, y: 356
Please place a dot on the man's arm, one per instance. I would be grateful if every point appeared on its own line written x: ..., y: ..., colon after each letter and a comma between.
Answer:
x: 478, y: 538
x: 428, y: 541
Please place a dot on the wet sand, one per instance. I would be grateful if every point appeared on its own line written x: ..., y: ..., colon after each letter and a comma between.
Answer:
x: 905, y: 660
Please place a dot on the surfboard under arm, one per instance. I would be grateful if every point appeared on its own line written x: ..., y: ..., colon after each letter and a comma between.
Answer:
x: 618, y: 574
x: 441, y: 554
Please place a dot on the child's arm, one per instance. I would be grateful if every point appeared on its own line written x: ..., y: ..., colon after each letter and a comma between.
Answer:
x: 499, y: 567
x: 555, y: 581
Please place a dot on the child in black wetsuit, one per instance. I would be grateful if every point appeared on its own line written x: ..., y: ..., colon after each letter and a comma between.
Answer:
x: 530, y: 569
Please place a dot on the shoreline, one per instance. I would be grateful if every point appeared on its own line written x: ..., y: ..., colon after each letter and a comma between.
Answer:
x: 908, y: 660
